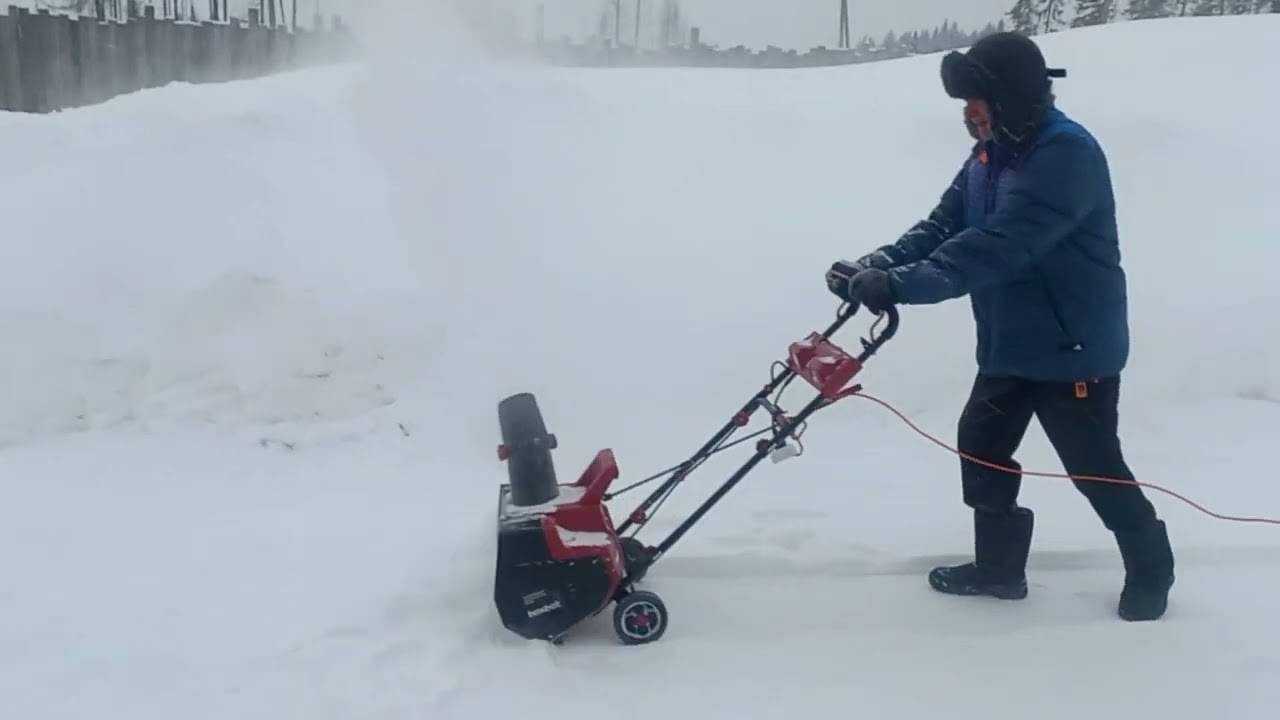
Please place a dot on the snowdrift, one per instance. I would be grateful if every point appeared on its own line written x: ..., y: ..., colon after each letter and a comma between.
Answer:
x: 256, y: 335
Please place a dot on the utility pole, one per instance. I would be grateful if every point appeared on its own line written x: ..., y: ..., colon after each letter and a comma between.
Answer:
x: 844, y: 24
x: 639, y: 4
x: 666, y: 25
x: 617, y: 23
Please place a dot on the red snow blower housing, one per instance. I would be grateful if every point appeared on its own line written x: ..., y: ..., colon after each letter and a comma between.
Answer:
x: 561, y: 559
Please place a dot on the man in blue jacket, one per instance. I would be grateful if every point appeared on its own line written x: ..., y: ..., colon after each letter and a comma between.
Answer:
x: 1028, y: 231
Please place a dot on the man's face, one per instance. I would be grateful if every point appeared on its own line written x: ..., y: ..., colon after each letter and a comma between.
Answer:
x: 977, y: 113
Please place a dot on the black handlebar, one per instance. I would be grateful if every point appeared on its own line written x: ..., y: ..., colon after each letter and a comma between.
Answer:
x: 679, y: 472
x: 877, y: 341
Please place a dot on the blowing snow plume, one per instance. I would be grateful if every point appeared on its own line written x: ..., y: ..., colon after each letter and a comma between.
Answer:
x: 495, y: 160
x: 440, y: 31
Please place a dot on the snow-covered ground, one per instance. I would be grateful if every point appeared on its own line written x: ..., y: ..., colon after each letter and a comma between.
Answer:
x: 255, y: 336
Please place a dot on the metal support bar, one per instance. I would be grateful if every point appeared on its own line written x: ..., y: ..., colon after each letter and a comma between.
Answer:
x: 723, y: 434
x: 783, y: 428
x: 779, y: 438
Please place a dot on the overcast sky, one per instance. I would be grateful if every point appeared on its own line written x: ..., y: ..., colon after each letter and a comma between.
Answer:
x: 798, y: 24
x: 788, y: 23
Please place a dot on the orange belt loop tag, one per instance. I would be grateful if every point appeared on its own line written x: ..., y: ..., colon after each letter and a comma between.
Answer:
x: 1082, y: 390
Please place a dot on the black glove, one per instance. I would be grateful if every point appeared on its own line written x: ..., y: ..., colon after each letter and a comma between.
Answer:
x: 842, y: 271
x: 838, y: 277
x: 872, y: 289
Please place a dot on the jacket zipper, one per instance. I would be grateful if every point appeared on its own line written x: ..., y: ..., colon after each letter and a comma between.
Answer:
x: 993, y: 182
x: 989, y: 201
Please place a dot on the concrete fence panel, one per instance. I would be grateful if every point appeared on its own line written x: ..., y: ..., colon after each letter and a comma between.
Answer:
x: 51, y: 62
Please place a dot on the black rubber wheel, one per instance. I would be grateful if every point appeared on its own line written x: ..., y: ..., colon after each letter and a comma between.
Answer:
x: 528, y: 446
x: 640, y: 618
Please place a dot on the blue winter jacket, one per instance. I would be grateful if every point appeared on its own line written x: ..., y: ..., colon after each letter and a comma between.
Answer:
x: 1033, y: 242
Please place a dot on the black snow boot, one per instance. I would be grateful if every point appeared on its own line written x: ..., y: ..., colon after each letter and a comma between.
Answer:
x: 1148, y: 568
x: 1002, y: 543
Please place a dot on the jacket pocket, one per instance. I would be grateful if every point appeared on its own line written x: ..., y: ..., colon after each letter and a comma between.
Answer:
x: 1070, y: 341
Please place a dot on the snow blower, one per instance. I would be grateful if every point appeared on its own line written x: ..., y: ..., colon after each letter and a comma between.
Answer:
x: 561, y: 560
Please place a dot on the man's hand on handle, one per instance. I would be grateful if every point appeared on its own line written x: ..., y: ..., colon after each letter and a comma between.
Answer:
x: 838, y: 277
x: 855, y: 282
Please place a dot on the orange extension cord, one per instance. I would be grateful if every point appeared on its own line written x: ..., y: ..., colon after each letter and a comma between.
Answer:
x: 1063, y: 476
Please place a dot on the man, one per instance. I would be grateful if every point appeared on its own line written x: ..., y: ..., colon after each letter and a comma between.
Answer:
x: 1028, y: 231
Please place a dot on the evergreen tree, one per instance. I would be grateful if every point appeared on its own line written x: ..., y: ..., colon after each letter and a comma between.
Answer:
x: 1240, y: 7
x: 1023, y: 16
x: 1181, y: 7
x: 1051, y: 15
x: 1210, y: 7
x: 890, y: 43
x: 1094, y: 12
x: 1147, y: 9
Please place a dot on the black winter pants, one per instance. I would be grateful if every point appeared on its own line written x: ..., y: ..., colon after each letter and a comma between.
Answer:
x: 1081, y: 425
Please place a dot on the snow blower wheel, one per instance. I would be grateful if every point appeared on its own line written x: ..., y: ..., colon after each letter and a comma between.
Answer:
x: 640, y: 618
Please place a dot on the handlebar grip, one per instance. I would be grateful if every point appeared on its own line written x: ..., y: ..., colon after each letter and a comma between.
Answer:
x: 850, y: 308
x: 892, y: 328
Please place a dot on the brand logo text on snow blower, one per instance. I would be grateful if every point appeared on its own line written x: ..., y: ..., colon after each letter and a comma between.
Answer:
x: 534, y: 597
x: 544, y: 609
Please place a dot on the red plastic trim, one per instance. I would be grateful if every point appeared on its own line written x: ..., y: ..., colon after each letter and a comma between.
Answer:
x: 596, y: 479
x: 823, y: 364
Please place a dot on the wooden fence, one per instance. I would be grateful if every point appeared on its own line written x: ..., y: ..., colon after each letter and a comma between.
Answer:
x: 52, y: 62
